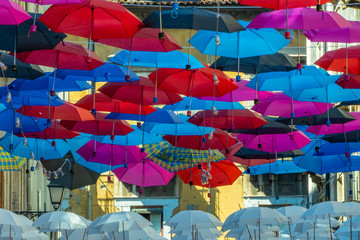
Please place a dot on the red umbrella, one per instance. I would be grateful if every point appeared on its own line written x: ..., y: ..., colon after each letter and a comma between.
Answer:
x: 218, y: 140
x: 55, y: 131
x: 282, y: 4
x: 107, y: 104
x: 195, y: 83
x: 139, y: 92
x: 93, y: 19
x: 219, y: 174
x: 341, y: 59
x: 64, y: 56
x: 66, y: 111
x: 349, y: 81
x: 146, y: 39
x: 228, y: 119
x: 99, y: 126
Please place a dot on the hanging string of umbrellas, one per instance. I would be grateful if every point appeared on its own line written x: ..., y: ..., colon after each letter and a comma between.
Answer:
x: 185, y: 117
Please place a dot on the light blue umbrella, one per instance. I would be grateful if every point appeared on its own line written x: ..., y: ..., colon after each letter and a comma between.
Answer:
x: 278, y: 167
x: 196, y: 104
x: 173, y: 59
x: 39, y: 147
x: 75, y: 144
x: 105, y: 73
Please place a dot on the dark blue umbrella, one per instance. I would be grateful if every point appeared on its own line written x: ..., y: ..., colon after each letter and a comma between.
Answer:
x: 29, y: 98
x: 105, y: 73
x: 45, y: 83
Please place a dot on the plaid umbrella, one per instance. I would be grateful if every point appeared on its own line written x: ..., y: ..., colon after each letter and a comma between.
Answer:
x: 176, y: 159
x: 9, y: 162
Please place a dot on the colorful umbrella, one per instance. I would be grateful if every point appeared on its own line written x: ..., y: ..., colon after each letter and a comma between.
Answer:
x: 66, y: 111
x: 195, y: 83
x: 280, y: 105
x: 93, y: 19
x: 275, y: 142
x: 352, y: 136
x: 215, y: 140
x: 213, y: 175
x: 55, y: 131
x: 228, y: 119
x: 9, y: 162
x: 248, y: 153
x: 139, y: 92
x: 349, y: 81
x: 107, y: 104
x: 175, y: 159
x: 278, y: 167
x: 282, y: 4
x: 29, y: 98
x: 159, y: 116
x: 144, y: 173
x: 146, y: 39
x: 12, y: 14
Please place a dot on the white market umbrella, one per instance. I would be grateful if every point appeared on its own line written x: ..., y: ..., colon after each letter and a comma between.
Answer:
x: 293, y: 213
x: 13, y: 223
x: 86, y: 234
x: 33, y: 234
x: 146, y: 233
x: 251, y: 232
x: 206, y: 233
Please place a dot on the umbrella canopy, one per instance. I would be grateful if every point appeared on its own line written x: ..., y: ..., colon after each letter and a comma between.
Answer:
x: 92, y: 19
x: 71, y: 175
x: 217, y: 140
x: 243, y: 93
x: 352, y: 136
x: 35, y: 148
x: 175, y: 159
x: 278, y: 167
x: 299, y: 18
x: 21, y: 70
x: 99, y: 126
x: 275, y: 142
x: 10, y: 162
x: 282, y: 4
x: 248, y: 43
x: 293, y: 213
x: 159, y: 116
x: 146, y: 39
x: 139, y: 92
x: 11, y: 222
x: 248, y: 153
x: 280, y: 105
x: 60, y: 220
x: 349, y: 81
x: 195, y: 83
x: 28, y: 235
x: 228, y: 119
x: 189, y: 103
x: 193, y: 219
x: 143, y: 234
x: 341, y: 60
x: 30, y: 98
x: 219, y: 174
x: 327, y: 209
x: 12, y: 13
x: 55, y: 131
x: 194, y: 18
x: 105, y: 73
x: 144, y: 173
x: 66, y: 111
x: 65, y: 55
x: 49, y: 2
x: 107, y: 104
x: 173, y: 59
x: 258, y: 64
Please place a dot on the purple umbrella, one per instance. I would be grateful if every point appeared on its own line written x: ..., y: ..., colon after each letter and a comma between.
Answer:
x: 280, y: 105
x: 11, y: 13
x: 112, y: 155
x: 144, y: 173
x: 337, y: 128
x: 243, y: 93
x: 275, y: 143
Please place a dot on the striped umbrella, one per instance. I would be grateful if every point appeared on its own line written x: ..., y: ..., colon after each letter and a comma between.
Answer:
x: 9, y: 162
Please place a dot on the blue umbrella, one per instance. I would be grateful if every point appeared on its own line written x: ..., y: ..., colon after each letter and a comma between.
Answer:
x: 30, y: 98
x: 45, y: 83
x: 75, y: 144
x: 10, y: 120
x: 39, y: 147
x: 196, y: 104
x: 338, y: 148
x: 173, y: 59
x: 105, y: 73
x: 278, y: 167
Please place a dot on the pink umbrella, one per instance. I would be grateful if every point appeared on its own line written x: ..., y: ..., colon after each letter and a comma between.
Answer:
x: 337, y: 128
x: 144, y: 173
x: 11, y: 13
x: 243, y: 93
x: 109, y: 154
x: 280, y: 105
x: 275, y: 143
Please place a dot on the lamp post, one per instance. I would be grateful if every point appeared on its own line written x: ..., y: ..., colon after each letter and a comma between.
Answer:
x: 56, y: 195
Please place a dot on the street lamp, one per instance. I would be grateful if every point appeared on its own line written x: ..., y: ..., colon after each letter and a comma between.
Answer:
x: 56, y: 195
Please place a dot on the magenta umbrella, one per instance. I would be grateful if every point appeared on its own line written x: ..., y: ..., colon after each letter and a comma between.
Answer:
x: 275, y: 143
x: 280, y: 105
x: 12, y: 13
x: 144, y: 173
x: 337, y: 128
x: 243, y: 93
x: 109, y: 154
